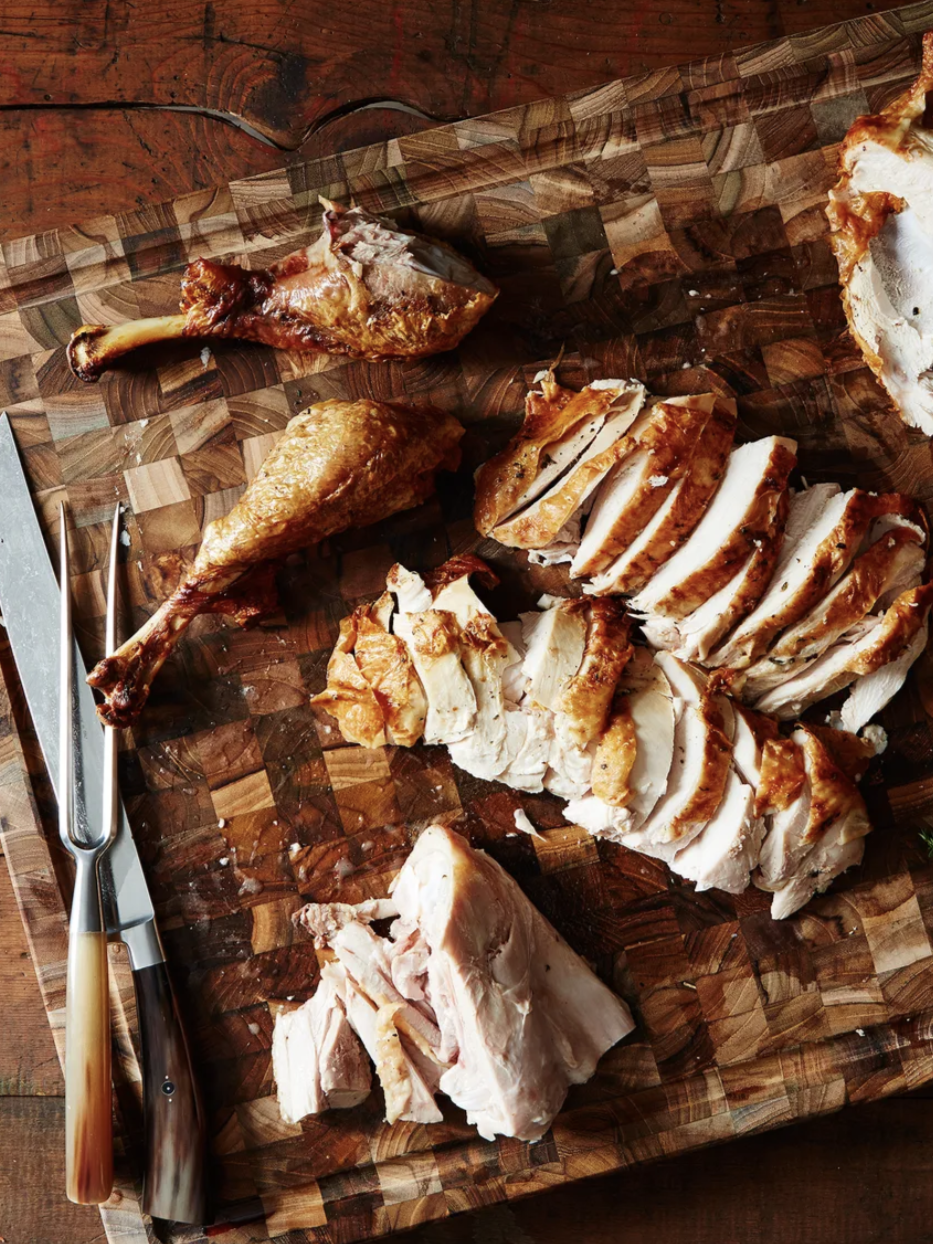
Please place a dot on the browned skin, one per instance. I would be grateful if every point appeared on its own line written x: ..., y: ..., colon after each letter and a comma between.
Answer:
x: 705, y: 470
x: 829, y: 562
x: 615, y: 756
x: 782, y: 775
x: 319, y: 299
x: 832, y: 795
x: 669, y: 438
x: 338, y: 465
x: 587, y: 696
x: 455, y: 568
x: 717, y: 761
x: 851, y: 753
x: 738, y: 545
x: 549, y: 417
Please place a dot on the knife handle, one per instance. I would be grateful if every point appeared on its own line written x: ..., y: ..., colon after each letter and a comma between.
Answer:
x: 88, y: 1093
x: 173, y: 1184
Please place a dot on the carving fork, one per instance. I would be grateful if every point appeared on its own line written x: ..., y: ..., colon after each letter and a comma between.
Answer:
x: 88, y: 1089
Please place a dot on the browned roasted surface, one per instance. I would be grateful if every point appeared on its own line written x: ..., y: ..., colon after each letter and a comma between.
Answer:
x: 363, y: 289
x: 339, y: 465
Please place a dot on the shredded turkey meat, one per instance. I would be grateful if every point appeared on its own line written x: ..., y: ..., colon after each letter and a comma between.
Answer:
x: 473, y: 995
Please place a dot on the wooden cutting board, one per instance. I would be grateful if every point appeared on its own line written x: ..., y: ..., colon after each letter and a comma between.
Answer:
x: 668, y: 226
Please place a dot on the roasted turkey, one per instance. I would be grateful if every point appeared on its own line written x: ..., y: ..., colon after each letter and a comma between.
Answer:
x: 881, y: 214
x: 364, y: 288
x: 337, y: 465
x: 648, y: 750
x: 473, y: 994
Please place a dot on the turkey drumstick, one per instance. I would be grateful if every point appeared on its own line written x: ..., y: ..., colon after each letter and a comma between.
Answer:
x: 364, y: 288
x: 338, y: 465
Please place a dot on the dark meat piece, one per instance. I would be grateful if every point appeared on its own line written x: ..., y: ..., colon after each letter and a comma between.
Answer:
x: 339, y: 465
x: 364, y: 288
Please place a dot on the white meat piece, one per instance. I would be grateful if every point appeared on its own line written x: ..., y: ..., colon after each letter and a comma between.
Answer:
x: 324, y: 920
x: 748, y: 477
x: 317, y: 1059
x: 590, y: 439
x: 527, y: 1016
x: 724, y: 853
x: 813, y: 516
x: 870, y: 693
x: 554, y: 642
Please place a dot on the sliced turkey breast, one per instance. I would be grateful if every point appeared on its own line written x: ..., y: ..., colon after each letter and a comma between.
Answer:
x: 741, y: 513
x: 525, y: 1014
x: 870, y: 645
x: 433, y: 640
x: 317, y: 1059
x: 585, y: 697
x: 882, y: 234
x: 681, y: 511
x: 812, y: 840
x: 750, y: 733
x: 640, y: 759
x: 693, y: 636
x: 486, y: 654
x: 892, y: 562
x: 542, y: 523
x: 558, y: 427
x: 636, y: 489
x: 825, y: 529
x: 702, y: 759
x: 581, y: 709
x: 554, y: 640
x: 725, y: 851
x: 872, y: 692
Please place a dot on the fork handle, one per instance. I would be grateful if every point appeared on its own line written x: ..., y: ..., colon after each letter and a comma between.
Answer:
x: 88, y: 1093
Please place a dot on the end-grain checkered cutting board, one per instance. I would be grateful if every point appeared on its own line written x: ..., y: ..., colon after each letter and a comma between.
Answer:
x: 668, y: 226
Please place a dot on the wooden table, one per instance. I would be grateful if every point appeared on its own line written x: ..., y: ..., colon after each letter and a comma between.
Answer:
x: 109, y: 106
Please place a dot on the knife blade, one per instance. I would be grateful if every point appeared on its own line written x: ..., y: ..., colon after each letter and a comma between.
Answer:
x: 29, y: 603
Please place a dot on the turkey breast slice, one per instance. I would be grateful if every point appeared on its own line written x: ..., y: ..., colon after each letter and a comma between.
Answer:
x: 810, y: 842
x: 825, y: 528
x: 882, y: 234
x: 557, y: 422
x: 635, y: 490
x: 891, y: 563
x: 583, y: 703
x: 554, y: 642
x: 702, y: 759
x: 682, y: 509
x: 486, y: 654
x: 692, y: 637
x: 725, y: 851
x: 868, y: 646
x: 433, y: 640
x: 540, y: 524
x: 646, y: 768
x: 740, y: 512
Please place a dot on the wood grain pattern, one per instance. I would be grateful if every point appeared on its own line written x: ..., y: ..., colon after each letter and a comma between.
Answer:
x: 673, y: 218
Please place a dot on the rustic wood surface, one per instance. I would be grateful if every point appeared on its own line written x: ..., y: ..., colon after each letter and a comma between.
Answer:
x: 100, y: 161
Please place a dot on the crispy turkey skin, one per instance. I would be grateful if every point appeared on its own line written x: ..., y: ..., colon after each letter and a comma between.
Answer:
x: 364, y: 288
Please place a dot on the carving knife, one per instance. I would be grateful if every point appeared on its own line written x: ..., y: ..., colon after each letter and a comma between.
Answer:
x: 173, y: 1186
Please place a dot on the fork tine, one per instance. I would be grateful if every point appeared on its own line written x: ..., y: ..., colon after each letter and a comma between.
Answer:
x: 111, y: 799
x: 66, y: 690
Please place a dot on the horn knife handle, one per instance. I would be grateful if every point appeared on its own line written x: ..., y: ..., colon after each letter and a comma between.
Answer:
x: 174, y: 1182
